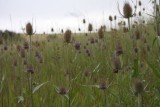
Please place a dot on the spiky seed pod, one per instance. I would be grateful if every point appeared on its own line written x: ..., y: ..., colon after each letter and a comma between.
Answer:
x: 67, y: 36
x: 143, y: 21
x: 100, y: 33
x: 140, y: 14
x: 77, y: 45
x: 90, y: 27
x: 115, y: 17
x: 92, y: 40
x: 140, y: 3
x: 87, y: 73
x: 110, y: 18
x: 62, y: 31
x: 62, y: 90
x: 139, y: 87
x: 137, y: 34
x: 127, y: 10
x: 143, y: 9
x: 136, y: 50
x: 30, y: 69
x: 84, y: 21
x: 102, y: 85
x: 79, y: 29
x: 52, y: 30
x: 29, y: 29
x: 119, y: 49
x: 116, y: 63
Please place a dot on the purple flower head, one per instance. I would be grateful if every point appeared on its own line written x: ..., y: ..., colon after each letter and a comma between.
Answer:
x: 77, y: 45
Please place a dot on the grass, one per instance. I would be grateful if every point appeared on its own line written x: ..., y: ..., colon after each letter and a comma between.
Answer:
x: 65, y: 66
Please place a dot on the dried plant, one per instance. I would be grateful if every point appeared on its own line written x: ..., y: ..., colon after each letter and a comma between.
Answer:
x: 127, y: 12
x: 67, y: 36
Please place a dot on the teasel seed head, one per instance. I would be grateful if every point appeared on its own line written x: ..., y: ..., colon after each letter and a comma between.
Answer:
x: 140, y: 3
x: 90, y: 27
x: 29, y: 29
x: 101, y: 33
x: 67, y: 36
x: 116, y: 63
x: 77, y: 45
x: 127, y: 10
x: 30, y: 69
x: 140, y: 14
x: 139, y: 87
x: 84, y: 21
x: 102, y: 85
x: 62, y: 90
x: 110, y: 18
x: 115, y: 17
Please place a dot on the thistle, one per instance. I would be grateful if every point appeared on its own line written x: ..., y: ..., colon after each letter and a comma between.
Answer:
x: 90, y: 28
x: 127, y: 12
x: 67, y: 36
x: 101, y: 33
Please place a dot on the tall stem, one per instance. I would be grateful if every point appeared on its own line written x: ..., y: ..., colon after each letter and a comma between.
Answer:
x: 139, y: 100
x: 129, y: 26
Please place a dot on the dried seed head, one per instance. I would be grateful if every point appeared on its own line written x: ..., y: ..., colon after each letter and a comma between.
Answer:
x: 77, y: 45
x: 62, y: 90
x: 116, y: 63
x: 100, y: 33
x: 84, y: 21
x: 5, y: 47
x: 136, y: 50
x: 29, y: 29
x: 90, y: 27
x: 110, y: 18
x: 92, y: 40
x: 115, y: 17
x: 139, y: 86
x: 103, y: 85
x: 30, y: 69
x: 140, y: 3
x: 18, y: 48
x: 140, y: 14
x: 52, y: 30
x: 67, y: 36
x: 127, y: 10
x: 24, y: 62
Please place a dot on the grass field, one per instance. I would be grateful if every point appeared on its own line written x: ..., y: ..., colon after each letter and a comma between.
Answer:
x: 55, y: 73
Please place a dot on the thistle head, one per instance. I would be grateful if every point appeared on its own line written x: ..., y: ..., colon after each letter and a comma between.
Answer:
x: 77, y: 45
x: 67, y: 36
x: 29, y: 29
x: 101, y: 33
x: 127, y: 10
x: 90, y: 27
x: 110, y: 18
x: 139, y: 88
x: 62, y: 90
x: 102, y: 85
x: 30, y: 69
x: 84, y: 21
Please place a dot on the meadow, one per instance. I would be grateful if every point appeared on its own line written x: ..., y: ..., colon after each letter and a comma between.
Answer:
x: 116, y: 68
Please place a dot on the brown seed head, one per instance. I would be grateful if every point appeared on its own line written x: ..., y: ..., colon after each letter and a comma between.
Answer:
x: 90, y: 27
x: 139, y: 86
x: 127, y: 10
x: 100, y: 33
x: 110, y: 18
x: 29, y: 29
x: 67, y: 36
